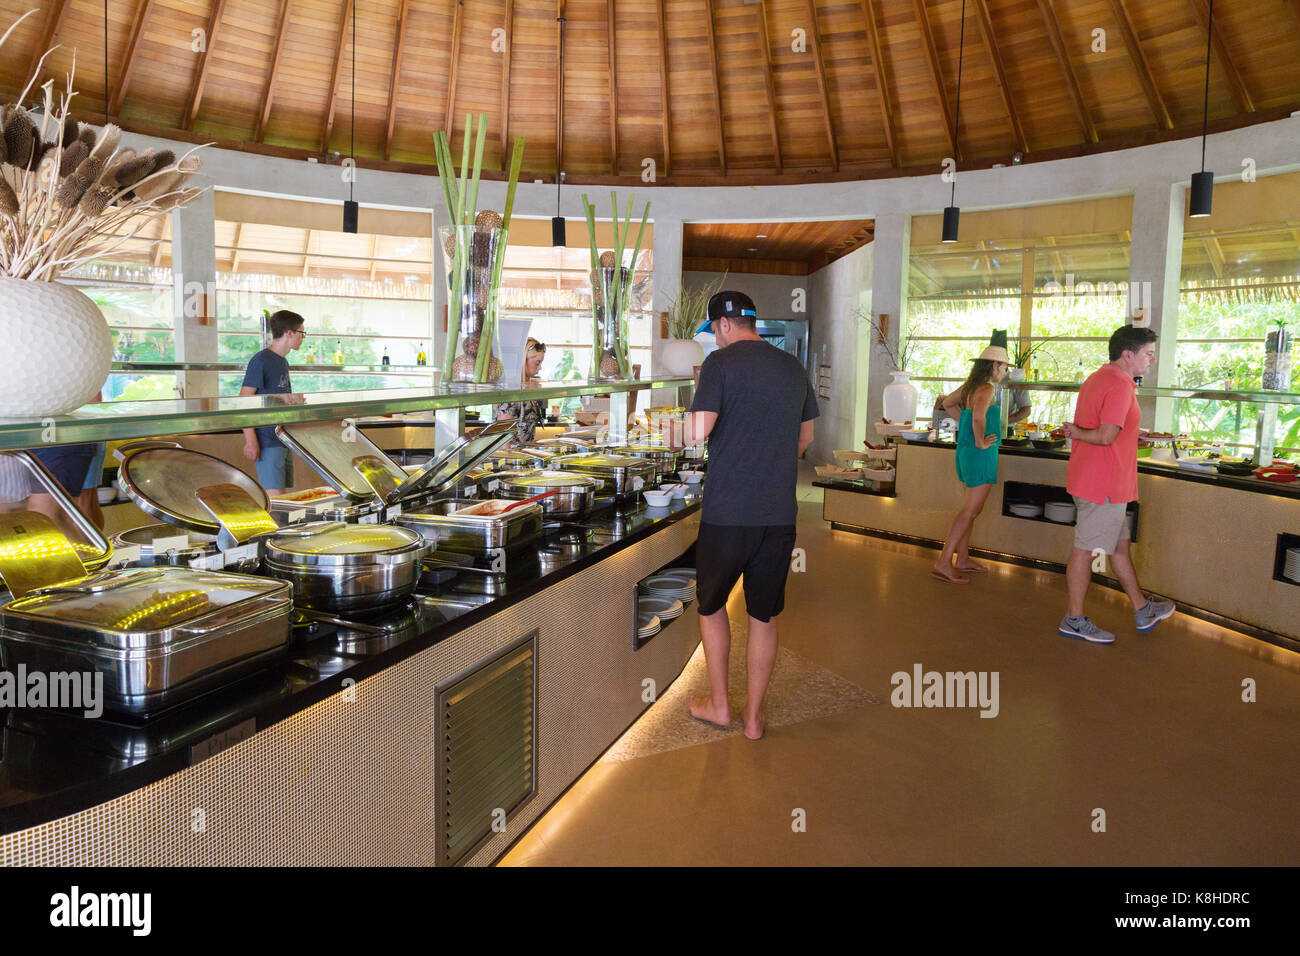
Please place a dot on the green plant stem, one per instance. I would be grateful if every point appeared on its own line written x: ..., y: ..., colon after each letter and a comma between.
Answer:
x: 478, y: 167
x: 464, y: 164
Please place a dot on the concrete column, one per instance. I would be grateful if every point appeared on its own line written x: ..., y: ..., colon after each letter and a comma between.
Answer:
x: 667, y: 284
x: 1155, y: 265
x: 194, y: 283
x: 891, y: 245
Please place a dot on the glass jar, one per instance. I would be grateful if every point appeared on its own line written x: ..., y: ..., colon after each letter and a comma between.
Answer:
x: 473, y: 257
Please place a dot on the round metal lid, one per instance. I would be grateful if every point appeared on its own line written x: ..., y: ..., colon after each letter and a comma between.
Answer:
x: 351, y: 544
x: 144, y: 536
x: 163, y: 482
x: 546, y: 480
x: 602, y: 461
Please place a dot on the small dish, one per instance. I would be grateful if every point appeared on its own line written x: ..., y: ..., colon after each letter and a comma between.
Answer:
x: 691, y: 477
x: 658, y: 499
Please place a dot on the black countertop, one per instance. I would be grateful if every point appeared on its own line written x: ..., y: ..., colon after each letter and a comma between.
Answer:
x: 52, y: 765
x: 1147, y: 467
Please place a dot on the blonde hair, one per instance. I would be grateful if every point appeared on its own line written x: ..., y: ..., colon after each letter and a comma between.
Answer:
x: 533, y: 347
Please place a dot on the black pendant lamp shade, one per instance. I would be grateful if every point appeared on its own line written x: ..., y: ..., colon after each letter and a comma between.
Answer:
x: 350, y: 209
x: 952, y: 212
x: 1202, y: 199
x: 557, y: 231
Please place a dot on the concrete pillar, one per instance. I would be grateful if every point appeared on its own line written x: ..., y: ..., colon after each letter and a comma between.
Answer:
x: 1155, y: 266
x: 194, y: 283
x: 891, y: 245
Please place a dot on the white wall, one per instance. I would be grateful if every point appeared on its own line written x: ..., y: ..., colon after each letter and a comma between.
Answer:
x: 772, y: 295
x: 837, y: 338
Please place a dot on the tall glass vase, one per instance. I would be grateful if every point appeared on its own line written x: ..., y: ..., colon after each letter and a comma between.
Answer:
x: 1277, y: 361
x: 473, y: 257
x: 610, y: 294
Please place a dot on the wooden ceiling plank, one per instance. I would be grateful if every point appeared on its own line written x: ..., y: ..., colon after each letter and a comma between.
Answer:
x: 505, y: 83
x: 882, y: 81
x: 559, y: 90
x: 1129, y: 34
x: 449, y: 110
x: 999, y: 73
x: 717, y: 87
x: 1215, y: 252
x: 234, y: 254
x: 663, y: 86
x: 821, y: 84
x: 374, y: 247
x: 613, y: 91
x: 1047, y: 9
x: 128, y: 60
x: 306, y: 254
x: 936, y: 76
x: 205, y: 61
x: 398, y: 44
x: 328, y: 130
x: 52, y: 27
x: 769, y: 85
x: 1235, y: 82
x: 268, y: 94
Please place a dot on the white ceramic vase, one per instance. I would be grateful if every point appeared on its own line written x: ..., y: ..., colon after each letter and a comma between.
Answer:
x: 680, y: 356
x: 900, y: 399
x: 58, y: 350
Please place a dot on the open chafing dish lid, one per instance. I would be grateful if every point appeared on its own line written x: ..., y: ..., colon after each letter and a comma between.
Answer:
x: 658, y: 451
x: 145, y: 535
x: 136, y: 601
x: 603, y: 462
x: 333, y: 450
x: 546, y: 480
x: 330, y: 543
x: 89, y: 543
x: 163, y: 481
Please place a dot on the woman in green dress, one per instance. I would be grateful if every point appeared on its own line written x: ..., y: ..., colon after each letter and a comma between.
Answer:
x: 979, y: 432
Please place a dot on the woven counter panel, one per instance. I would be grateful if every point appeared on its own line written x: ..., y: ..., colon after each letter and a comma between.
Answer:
x: 353, y: 782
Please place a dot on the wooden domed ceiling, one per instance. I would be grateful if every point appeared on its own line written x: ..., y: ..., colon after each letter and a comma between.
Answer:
x: 734, y: 91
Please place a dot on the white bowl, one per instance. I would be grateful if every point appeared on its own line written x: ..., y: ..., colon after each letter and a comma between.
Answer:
x: 658, y: 499
x: 106, y: 495
x: 691, y: 477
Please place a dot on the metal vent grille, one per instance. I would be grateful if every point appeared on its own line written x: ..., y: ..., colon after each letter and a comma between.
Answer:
x: 486, y: 734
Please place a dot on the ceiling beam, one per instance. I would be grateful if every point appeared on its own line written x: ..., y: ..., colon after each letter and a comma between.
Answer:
x: 328, y: 131
x: 882, y: 81
x: 936, y: 76
x: 1239, y: 92
x: 306, y: 254
x: 821, y: 84
x: 505, y: 84
x: 269, y: 93
x: 717, y: 87
x: 234, y: 253
x: 128, y: 61
x: 205, y: 60
x: 1047, y: 9
x: 770, y: 86
x: 1129, y: 34
x: 1215, y: 252
x: 559, y: 90
x: 999, y: 73
x: 663, y: 85
x: 52, y: 27
x: 449, y: 110
x: 613, y: 91
x: 398, y: 43
x: 374, y: 250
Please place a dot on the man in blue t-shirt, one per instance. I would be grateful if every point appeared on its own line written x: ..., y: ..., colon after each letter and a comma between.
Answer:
x: 268, y: 374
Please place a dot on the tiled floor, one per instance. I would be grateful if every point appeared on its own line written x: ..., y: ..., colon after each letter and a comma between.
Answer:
x: 1151, y: 730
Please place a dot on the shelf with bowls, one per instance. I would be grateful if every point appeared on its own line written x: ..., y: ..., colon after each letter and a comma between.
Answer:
x: 661, y: 598
x: 1286, y: 567
x: 1050, y: 503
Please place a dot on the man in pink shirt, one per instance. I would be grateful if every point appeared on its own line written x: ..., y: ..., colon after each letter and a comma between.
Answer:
x: 1102, y: 477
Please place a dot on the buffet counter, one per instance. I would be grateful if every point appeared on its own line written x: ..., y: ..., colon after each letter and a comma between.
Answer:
x: 324, y: 757
x: 1216, y: 545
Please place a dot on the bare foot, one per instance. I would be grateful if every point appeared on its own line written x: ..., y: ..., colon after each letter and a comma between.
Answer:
x: 754, y: 728
x: 948, y: 574
x: 972, y: 566
x: 703, y: 708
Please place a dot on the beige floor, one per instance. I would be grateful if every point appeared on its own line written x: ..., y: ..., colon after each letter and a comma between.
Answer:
x: 1152, y: 730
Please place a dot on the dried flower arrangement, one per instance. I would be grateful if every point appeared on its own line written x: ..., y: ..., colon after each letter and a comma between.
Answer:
x: 611, y: 283
x: 691, y: 308
x: 68, y: 196
x: 475, y: 248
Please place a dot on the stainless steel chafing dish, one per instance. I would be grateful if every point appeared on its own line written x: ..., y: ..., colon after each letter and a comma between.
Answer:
x: 519, y: 459
x: 162, y: 544
x: 475, y: 534
x: 563, y: 446
x: 664, y: 458
x: 575, y: 492
x: 335, y: 566
x: 159, y: 635
x: 624, y: 475
x: 293, y: 509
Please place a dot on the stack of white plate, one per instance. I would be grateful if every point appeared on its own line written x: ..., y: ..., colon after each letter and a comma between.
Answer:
x: 665, y: 608
x: 647, y: 624
x: 1061, y: 512
x: 1027, y: 511
x: 676, y: 583
x: 1292, y: 570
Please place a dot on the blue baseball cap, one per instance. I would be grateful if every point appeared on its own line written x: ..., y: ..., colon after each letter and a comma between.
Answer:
x: 728, y: 304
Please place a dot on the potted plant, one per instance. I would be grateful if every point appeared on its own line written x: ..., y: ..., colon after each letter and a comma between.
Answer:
x: 900, y: 394
x: 1023, y: 357
x: 681, y: 353
x: 67, y: 197
x: 611, y: 287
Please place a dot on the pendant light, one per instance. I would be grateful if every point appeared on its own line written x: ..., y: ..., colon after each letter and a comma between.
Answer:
x: 350, y: 208
x: 952, y: 212
x: 558, y: 237
x: 1203, y: 182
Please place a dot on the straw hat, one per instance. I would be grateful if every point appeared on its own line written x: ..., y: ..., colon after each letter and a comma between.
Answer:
x: 994, y: 353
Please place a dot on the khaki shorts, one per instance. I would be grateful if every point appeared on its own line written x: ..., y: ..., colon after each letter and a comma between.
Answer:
x: 1099, y: 527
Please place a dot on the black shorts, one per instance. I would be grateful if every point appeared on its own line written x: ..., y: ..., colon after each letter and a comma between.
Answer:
x: 760, y: 552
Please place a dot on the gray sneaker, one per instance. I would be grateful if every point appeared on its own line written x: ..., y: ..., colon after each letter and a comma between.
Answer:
x: 1084, y: 629
x: 1152, y: 613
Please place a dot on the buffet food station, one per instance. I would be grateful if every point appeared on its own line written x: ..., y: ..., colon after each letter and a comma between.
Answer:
x: 406, y: 663
x: 1214, y: 528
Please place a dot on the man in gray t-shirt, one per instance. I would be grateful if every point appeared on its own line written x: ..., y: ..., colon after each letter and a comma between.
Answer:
x: 756, y: 406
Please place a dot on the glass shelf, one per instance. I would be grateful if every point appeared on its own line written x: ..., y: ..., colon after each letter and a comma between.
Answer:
x: 115, y: 421
x: 1258, y: 398
x: 326, y: 367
